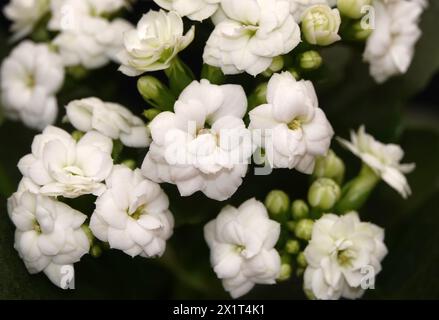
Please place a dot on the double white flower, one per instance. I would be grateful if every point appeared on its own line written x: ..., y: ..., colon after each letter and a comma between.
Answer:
x: 60, y: 166
x: 203, y: 145
x: 24, y: 15
x: 383, y: 159
x: 250, y: 34
x: 241, y: 242
x: 111, y: 119
x: 156, y: 41
x: 30, y: 78
x: 87, y: 37
x: 341, y: 253
x: 197, y: 10
x: 49, y: 236
x: 390, y: 48
x: 294, y: 129
x: 132, y: 215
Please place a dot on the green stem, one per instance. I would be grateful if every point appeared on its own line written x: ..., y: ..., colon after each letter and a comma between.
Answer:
x: 179, y: 75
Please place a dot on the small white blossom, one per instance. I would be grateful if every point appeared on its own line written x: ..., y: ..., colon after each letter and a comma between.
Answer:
x: 294, y: 129
x: 390, y: 47
x: 132, y: 215
x: 383, y: 159
x: 111, y: 119
x: 49, y: 236
x: 320, y: 25
x: 298, y: 7
x: 241, y: 242
x: 156, y: 41
x: 250, y: 34
x: 25, y: 14
x: 203, y: 145
x: 30, y: 78
x: 86, y: 36
x: 60, y: 166
x: 341, y: 249
x: 197, y: 10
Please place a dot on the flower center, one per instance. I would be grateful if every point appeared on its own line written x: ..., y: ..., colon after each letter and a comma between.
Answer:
x: 139, y: 212
x: 295, y: 124
x: 239, y: 248
x: 345, y: 257
x: 208, y: 131
x: 37, y: 227
x: 30, y: 81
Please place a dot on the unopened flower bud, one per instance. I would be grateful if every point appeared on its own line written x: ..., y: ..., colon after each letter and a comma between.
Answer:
x: 303, y: 229
x: 156, y: 93
x: 259, y: 96
x: 353, y: 8
x: 130, y: 164
x: 277, y: 203
x: 299, y: 209
x: 310, y: 60
x: 150, y: 114
x: 292, y: 246
x: 291, y: 225
x: 330, y: 166
x: 77, y: 135
x: 276, y: 66
x: 213, y: 74
x: 285, y: 272
x: 360, y: 32
x: 323, y: 194
x: 301, y: 260
x: 320, y: 25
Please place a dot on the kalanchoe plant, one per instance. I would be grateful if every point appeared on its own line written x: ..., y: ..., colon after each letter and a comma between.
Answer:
x: 236, y: 99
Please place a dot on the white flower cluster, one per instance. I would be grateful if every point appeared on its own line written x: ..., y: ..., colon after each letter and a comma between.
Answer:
x: 242, y: 243
x: 344, y: 256
x: 131, y: 211
x: 383, y: 159
x: 30, y: 78
x: 390, y: 47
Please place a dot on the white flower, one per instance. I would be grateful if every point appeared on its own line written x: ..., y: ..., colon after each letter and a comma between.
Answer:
x: 204, y: 145
x: 49, y: 236
x: 132, y: 215
x: 197, y: 10
x: 86, y: 37
x: 111, y: 119
x: 60, y: 166
x: 298, y: 7
x: 24, y: 15
x: 252, y: 34
x: 241, y: 243
x: 294, y: 129
x: 320, y: 25
x: 383, y: 159
x: 30, y: 78
x: 156, y: 41
x: 340, y: 253
x: 390, y: 47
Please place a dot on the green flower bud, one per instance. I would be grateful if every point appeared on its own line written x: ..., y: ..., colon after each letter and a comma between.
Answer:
x: 156, y: 93
x: 285, y: 272
x: 299, y: 209
x: 323, y: 194
x: 310, y: 60
x: 213, y: 74
x: 77, y: 135
x: 130, y: 164
x: 320, y: 25
x: 304, y: 228
x: 96, y: 251
x: 360, y: 33
x: 291, y: 225
x: 276, y: 65
x: 353, y: 8
x: 292, y: 246
x: 357, y: 191
x: 301, y: 260
x: 150, y: 114
x: 259, y: 96
x: 179, y: 75
x: 277, y: 203
x: 331, y: 167
x: 77, y: 72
